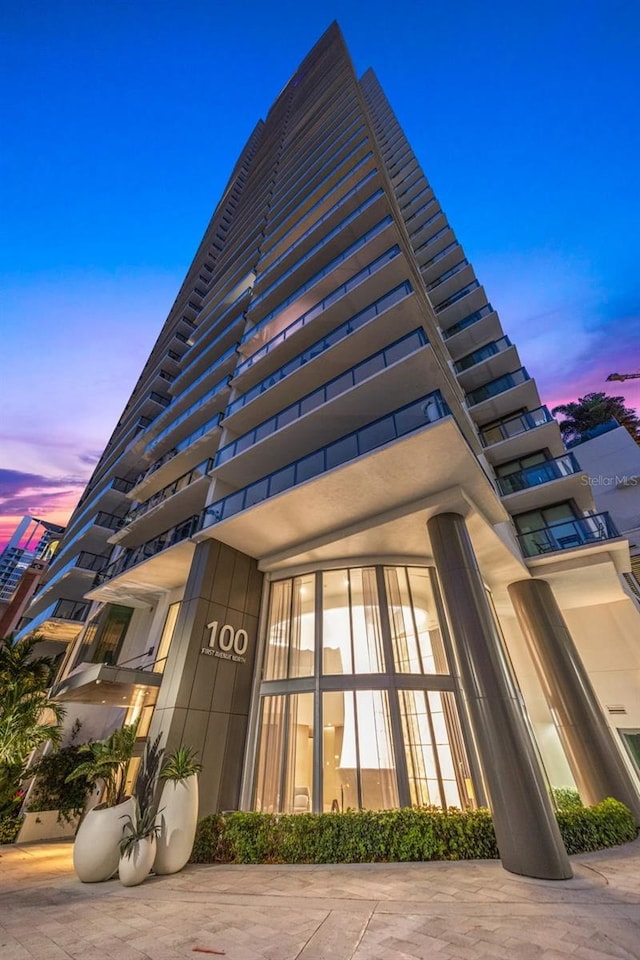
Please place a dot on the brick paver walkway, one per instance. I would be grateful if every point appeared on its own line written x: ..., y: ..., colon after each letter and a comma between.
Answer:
x: 431, y: 911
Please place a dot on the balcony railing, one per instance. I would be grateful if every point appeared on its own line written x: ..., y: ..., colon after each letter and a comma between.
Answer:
x: 90, y: 561
x: 329, y: 268
x: 75, y: 610
x: 568, y: 534
x: 328, y: 391
x: 179, y: 447
x: 467, y: 321
x: 169, y: 538
x: 318, y: 308
x: 413, y: 416
x: 184, y: 481
x: 354, y: 323
x: 108, y: 520
x: 214, y: 391
x: 469, y: 288
x: 539, y: 473
x: 483, y: 353
x: 515, y: 426
x: 495, y: 387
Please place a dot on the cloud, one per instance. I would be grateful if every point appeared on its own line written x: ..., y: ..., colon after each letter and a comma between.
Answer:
x: 32, y: 493
x: 91, y: 457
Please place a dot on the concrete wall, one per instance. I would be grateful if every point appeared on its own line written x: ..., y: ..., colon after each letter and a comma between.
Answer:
x: 204, y: 700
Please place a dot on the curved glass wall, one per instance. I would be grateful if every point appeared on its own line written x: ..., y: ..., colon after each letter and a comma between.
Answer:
x: 358, y: 707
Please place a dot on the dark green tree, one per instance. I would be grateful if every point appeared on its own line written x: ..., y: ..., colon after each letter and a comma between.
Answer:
x: 591, y: 411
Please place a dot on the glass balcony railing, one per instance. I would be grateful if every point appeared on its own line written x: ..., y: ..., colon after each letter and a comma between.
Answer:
x: 351, y: 249
x: 215, y: 390
x: 450, y: 247
x: 497, y: 386
x: 336, y: 206
x: 184, y: 481
x: 421, y: 210
x: 121, y: 485
x: 326, y: 239
x: 539, y: 473
x: 354, y: 323
x: 129, y: 558
x: 179, y: 447
x: 467, y: 321
x: 482, y: 353
x: 108, y: 520
x: 423, y: 226
x: 447, y: 275
x: 328, y: 391
x: 515, y: 426
x: 458, y: 295
x: 413, y: 416
x: 568, y: 534
x: 75, y: 610
x: 319, y: 308
x: 90, y: 561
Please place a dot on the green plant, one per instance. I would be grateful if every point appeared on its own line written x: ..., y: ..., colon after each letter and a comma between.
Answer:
x: 147, y: 777
x: 139, y: 827
x: 566, y: 798
x: 181, y: 764
x: 108, y: 761
x: 405, y: 835
x: 52, y: 789
x: 9, y: 828
x: 28, y: 719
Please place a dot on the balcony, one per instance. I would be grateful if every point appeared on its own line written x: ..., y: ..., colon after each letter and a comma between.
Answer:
x: 369, y: 388
x: 568, y: 534
x: 513, y: 438
x: 539, y: 473
x: 319, y: 308
x: 392, y: 426
x: 101, y: 683
x: 130, y: 558
x: 280, y: 313
x: 481, y: 354
x: 497, y: 398
x: 344, y: 330
x: 73, y: 610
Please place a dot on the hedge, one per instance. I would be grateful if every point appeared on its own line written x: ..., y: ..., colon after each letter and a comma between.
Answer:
x: 388, y: 836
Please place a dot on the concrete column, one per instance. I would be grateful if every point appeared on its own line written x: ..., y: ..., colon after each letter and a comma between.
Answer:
x: 592, y: 753
x: 528, y: 837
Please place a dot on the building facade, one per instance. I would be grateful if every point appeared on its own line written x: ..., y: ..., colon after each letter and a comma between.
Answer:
x: 335, y: 541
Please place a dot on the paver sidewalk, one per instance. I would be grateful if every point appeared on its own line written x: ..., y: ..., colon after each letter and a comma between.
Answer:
x: 444, y: 911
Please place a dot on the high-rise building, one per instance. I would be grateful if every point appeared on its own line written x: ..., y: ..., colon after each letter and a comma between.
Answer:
x: 31, y: 540
x: 338, y: 539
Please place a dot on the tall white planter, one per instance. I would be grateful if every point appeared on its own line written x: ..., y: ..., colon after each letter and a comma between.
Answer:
x: 96, y: 850
x: 178, y: 819
x: 132, y: 870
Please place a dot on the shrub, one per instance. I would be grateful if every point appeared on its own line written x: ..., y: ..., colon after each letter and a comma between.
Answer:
x: 52, y: 791
x: 9, y: 828
x: 388, y: 836
x: 566, y: 798
x: 607, y: 824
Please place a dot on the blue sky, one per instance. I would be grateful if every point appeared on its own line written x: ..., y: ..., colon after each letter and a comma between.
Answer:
x: 122, y: 121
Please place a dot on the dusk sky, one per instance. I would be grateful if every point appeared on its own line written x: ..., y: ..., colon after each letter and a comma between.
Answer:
x: 122, y: 121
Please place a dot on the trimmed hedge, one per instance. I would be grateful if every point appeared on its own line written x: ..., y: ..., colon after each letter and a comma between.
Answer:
x: 388, y: 836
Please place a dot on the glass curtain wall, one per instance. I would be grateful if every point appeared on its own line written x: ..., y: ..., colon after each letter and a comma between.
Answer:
x: 345, y: 726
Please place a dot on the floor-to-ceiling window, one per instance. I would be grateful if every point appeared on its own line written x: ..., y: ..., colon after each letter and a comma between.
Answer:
x: 357, y: 705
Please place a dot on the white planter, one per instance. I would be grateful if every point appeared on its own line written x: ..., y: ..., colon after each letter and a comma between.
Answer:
x: 96, y: 850
x: 132, y: 870
x: 178, y: 819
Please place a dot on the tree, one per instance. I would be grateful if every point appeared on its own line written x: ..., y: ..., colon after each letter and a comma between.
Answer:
x: 591, y: 411
x: 27, y: 717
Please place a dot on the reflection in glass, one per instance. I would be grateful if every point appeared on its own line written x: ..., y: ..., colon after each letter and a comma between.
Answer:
x: 352, y: 641
x: 358, y: 761
x: 413, y: 617
x: 436, y: 759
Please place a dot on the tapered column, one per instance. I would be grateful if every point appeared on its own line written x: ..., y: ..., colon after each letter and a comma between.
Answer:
x: 527, y: 832
x: 592, y: 753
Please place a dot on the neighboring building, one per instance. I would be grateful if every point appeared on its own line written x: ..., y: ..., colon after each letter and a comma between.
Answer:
x: 333, y: 488
x: 32, y: 539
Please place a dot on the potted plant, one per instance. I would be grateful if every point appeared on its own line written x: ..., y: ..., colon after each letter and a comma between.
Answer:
x: 179, y: 803
x: 96, y: 848
x: 138, y: 845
